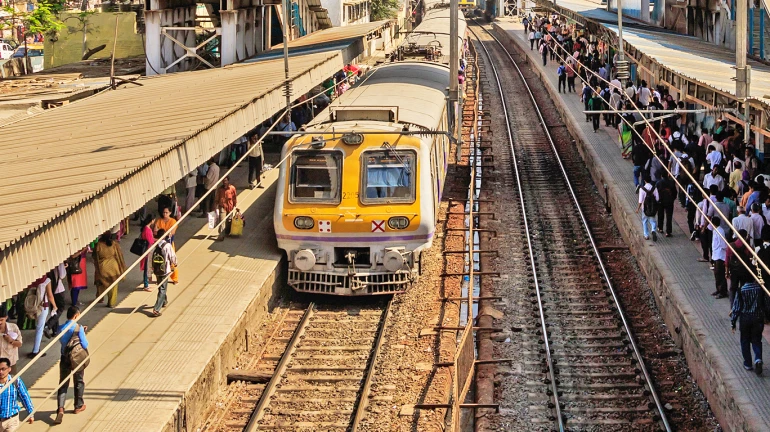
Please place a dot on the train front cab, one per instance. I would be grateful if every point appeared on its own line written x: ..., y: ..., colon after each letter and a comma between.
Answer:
x: 355, y: 218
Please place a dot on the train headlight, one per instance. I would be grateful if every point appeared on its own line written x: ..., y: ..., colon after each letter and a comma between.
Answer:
x: 303, y: 222
x: 352, y: 138
x: 393, y: 260
x: 398, y: 222
x: 304, y: 260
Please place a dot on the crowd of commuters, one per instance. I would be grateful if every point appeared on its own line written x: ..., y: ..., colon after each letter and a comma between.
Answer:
x: 700, y: 152
x: 40, y: 306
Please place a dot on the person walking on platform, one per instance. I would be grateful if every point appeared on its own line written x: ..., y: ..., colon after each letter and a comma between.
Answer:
x: 752, y: 308
x: 209, y: 182
x: 77, y: 277
x: 544, y: 51
x: 227, y: 200
x: 667, y: 192
x: 163, y: 263
x: 648, y: 203
x: 737, y: 275
x: 10, y: 398
x: 75, y: 333
x: 571, y: 75
x: 166, y: 224
x: 191, y: 182
x: 531, y: 40
x: 640, y: 154
x: 643, y: 95
x: 11, y: 340
x: 255, y: 162
x: 108, y: 259
x: 146, y: 235
x: 718, y: 256
x: 759, y: 221
x: 585, y: 96
x: 561, y: 72
x: 691, y: 204
x: 46, y: 305
x: 596, y: 103
x: 743, y: 222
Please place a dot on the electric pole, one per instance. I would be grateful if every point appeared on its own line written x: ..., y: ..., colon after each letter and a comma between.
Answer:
x: 742, y: 70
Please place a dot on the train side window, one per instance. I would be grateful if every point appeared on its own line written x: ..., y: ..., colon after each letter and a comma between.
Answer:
x: 388, y: 176
x: 315, y: 176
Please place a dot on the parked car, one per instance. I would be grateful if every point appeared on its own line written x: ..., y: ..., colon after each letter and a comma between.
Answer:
x: 34, y: 51
x: 6, y: 51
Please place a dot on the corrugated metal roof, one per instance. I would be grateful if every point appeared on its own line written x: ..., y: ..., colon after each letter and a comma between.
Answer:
x: 73, y: 172
x: 337, y: 34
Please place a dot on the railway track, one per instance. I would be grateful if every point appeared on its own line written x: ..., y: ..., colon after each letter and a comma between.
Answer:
x: 313, y: 373
x: 582, y: 353
x: 323, y: 372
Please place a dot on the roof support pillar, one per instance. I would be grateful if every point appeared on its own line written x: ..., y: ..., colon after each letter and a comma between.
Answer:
x: 229, y: 36
x: 152, y: 41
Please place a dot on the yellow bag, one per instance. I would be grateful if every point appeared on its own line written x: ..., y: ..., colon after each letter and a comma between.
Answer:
x: 236, y: 226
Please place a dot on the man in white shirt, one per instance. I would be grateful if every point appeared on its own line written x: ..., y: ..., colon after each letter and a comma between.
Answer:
x: 713, y: 156
x: 209, y: 182
x: 759, y: 221
x: 713, y: 178
x: 644, y: 95
x: 255, y: 162
x: 718, y: 251
x: 743, y: 222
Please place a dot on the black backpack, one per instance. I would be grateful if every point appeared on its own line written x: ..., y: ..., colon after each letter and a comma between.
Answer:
x: 159, y: 264
x: 650, y: 205
x: 666, y: 192
x: 736, y: 268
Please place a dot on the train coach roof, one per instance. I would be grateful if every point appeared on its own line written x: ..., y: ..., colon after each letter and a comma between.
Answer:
x: 434, y: 30
x: 418, y: 89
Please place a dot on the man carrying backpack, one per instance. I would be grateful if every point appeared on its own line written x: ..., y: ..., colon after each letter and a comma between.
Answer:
x: 74, y: 352
x: 561, y: 71
x: 667, y: 192
x: 736, y: 271
x: 648, y: 202
x: 163, y: 257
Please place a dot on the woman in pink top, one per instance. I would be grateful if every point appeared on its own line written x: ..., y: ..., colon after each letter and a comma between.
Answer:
x: 146, y: 234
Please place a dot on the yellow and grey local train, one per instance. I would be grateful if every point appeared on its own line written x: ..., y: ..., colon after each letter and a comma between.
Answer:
x: 359, y: 193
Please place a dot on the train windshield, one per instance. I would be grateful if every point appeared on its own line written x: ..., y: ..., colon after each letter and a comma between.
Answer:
x: 316, y: 176
x: 389, y: 176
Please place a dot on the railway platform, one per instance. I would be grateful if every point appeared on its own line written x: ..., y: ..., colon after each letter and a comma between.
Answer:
x: 159, y: 374
x: 698, y: 322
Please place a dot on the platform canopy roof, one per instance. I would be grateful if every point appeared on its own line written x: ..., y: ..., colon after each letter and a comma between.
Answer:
x: 73, y: 172
x: 337, y: 34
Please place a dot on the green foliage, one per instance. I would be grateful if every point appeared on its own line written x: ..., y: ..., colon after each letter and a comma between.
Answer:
x: 41, y: 20
x: 383, y: 9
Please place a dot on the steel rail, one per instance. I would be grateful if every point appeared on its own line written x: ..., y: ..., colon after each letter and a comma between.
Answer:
x: 544, y: 329
x: 637, y: 353
x: 363, y: 399
x: 280, y: 370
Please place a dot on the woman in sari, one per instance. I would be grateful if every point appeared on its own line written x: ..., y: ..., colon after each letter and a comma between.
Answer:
x: 108, y: 259
x: 626, y: 134
x: 166, y: 222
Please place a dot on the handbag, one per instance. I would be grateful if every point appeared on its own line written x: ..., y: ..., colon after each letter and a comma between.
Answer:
x: 213, y: 216
x: 236, y: 226
x: 139, y: 246
x: 73, y: 266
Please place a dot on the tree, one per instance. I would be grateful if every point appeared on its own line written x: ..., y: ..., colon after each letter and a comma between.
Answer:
x: 384, y: 9
x: 42, y: 20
